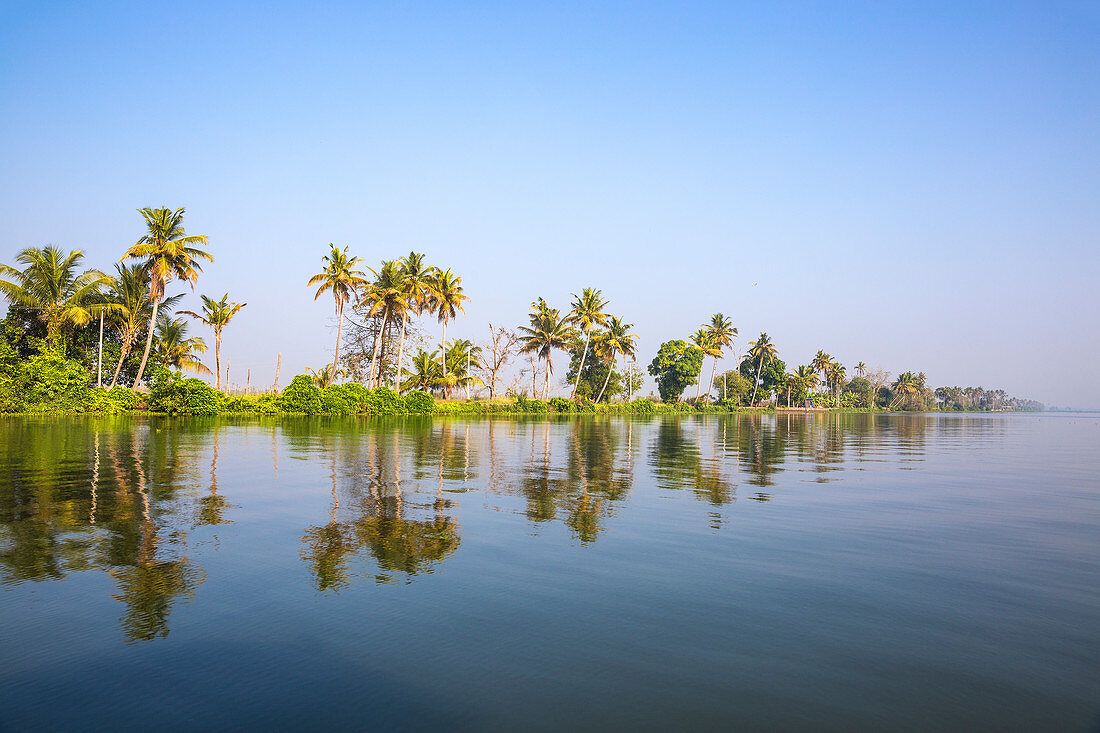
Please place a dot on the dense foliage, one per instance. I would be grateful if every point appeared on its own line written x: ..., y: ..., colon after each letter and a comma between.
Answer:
x: 676, y: 367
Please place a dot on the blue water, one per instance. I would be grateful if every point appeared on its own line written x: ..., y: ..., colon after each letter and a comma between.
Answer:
x: 903, y: 572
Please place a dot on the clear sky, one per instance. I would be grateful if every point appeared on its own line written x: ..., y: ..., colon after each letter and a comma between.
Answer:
x: 914, y: 185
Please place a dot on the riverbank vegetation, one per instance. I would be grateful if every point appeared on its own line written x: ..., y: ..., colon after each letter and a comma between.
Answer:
x: 71, y: 342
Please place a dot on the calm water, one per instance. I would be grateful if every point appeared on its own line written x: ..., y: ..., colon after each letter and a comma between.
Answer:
x: 825, y: 572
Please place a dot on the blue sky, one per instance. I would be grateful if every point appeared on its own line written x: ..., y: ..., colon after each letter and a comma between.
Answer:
x: 912, y: 185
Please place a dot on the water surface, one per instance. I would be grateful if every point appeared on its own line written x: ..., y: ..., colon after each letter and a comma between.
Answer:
x: 817, y: 573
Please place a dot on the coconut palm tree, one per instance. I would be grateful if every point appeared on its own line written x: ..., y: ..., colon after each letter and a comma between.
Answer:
x: 548, y: 331
x: 704, y: 341
x: 168, y: 253
x: 761, y: 351
x: 175, y: 349
x: 905, y: 385
x: 130, y: 294
x: 325, y: 376
x: 385, y: 298
x: 216, y: 314
x: 616, y: 340
x: 861, y: 368
x: 447, y: 300
x: 835, y: 372
x: 50, y: 286
x: 419, y: 280
x: 341, y: 277
x: 425, y: 373
x: 821, y: 362
x: 461, y: 355
x: 586, y: 313
x: 807, y: 377
x: 722, y: 334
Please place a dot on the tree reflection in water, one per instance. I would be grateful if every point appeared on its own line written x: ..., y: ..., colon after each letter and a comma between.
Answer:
x: 403, y: 538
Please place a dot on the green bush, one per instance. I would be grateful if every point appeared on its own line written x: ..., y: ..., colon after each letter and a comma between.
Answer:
x: 333, y: 402
x: 124, y: 398
x: 560, y: 404
x: 173, y: 393
x: 301, y: 395
x: 53, y: 383
x: 642, y: 406
x: 353, y: 394
x: 384, y: 402
x: 419, y: 403
x: 110, y: 402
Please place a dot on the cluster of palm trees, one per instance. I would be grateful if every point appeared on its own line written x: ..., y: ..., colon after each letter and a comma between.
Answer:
x: 400, y: 289
x: 713, y: 339
x: 51, y: 286
x: 587, y: 322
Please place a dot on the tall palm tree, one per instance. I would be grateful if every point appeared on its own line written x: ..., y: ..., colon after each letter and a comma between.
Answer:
x: 168, y: 253
x: 548, y: 331
x: 821, y: 362
x: 616, y: 340
x: 861, y: 368
x: 704, y: 341
x: 343, y: 280
x: 419, y: 279
x: 384, y: 298
x: 586, y: 313
x: 762, y: 351
x: 50, y: 285
x: 174, y: 347
x: 447, y: 300
x: 722, y: 333
x: 835, y: 372
x: 130, y: 294
x: 216, y: 314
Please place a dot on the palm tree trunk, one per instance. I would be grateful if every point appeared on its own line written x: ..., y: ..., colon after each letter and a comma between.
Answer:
x: 443, y: 356
x: 713, y: 371
x: 376, y: 373
x: 148, y: 342
x: 580, y: 369
x: 218, y: 360
x: 468, y: 375
x: 755, y: 378
x: 339, y: 331
x: 99, y: 359
x: 605, y: 381
x: 546, y: 380
x: 127, y: 344
x: 400, y: 353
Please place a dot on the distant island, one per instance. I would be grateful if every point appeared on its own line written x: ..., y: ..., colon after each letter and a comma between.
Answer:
x: 79, y: 340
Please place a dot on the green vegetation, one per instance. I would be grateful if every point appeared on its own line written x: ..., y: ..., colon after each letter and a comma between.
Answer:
x: 63, y: 324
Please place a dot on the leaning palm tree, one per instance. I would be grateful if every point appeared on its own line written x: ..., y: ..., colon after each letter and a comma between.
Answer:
x: 168, y: 253
x: 703, y: 339
x: 447, y: 300
x: 722, y: 332
x: 615, y: 341
x: 175, y: 349
x: 419, y: 280
x: 587, y: 313
x: 216, y: 314
x: 548, y: 331
x: 49, y: 285
x: 385, y: 298
x: 129, y: 293
x: 761, y: 351
x: 343, y: 280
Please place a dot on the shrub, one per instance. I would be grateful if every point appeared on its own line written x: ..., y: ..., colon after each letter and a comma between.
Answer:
x: 333, y: 402
x: 384, y: 401
x: 173, y: 393
x: 419, y: 403
x: 54, y: 383
x: 560, y: 404
x: 124, y: 398
x: 353, y: 394
x: 111, y: 402
x: 642, y: 406
x: 301, y: 395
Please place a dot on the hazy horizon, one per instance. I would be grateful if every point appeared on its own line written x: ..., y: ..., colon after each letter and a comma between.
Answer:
x: 915, y: 188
